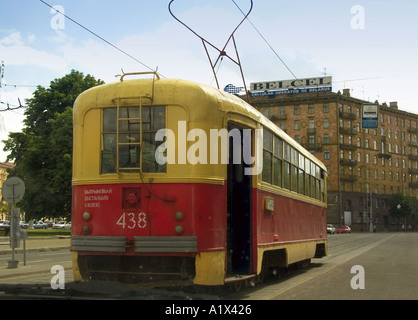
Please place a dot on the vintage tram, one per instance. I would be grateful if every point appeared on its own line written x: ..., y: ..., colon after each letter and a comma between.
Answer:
x: 160, y: 198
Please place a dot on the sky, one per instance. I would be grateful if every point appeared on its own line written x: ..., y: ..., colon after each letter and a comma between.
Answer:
x: 367, y: 46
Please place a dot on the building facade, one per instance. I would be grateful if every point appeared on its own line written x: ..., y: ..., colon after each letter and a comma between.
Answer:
x: 365, y: 166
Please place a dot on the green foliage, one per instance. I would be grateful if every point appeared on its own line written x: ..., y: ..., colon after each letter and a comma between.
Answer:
x: 400, y: 206
x: 42, y: 152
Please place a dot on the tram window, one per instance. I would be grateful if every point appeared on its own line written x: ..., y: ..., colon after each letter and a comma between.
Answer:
x: 109, y: 135
x: 153, y: 119
x: 322, y: 190
x: 294, y: 178
x: 295, y: 156
x: 301, y: 162
x: 125, y: 138
x: 267, y: 172
x: 307, y: 166
x: 286, y: 175
x: 277, y: 161
x: 267, y: 156
x: 313, y: 185
x: 307, y: 185
x: 318, y: 194
x: 286, y: 149
x: 278, y: 148
x: 301, y: 182
x: 277, y: 169
x: 268, y: 140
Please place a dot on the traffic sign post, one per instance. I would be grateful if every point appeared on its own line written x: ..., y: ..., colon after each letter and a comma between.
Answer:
x: 13, y: 191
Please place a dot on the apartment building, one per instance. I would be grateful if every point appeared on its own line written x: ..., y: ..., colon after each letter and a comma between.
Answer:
x: 365, y: 166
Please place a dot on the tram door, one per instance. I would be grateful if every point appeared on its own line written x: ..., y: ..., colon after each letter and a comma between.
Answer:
x: 239, y: 205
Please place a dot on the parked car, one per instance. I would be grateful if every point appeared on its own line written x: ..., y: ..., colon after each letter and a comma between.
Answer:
x: 344, y: 229
x: 330, y: 229
x: 39, y: 225
x: 24, y: 224
x: 62, y: 225
x: 49, y: 224
x: 4, y: 225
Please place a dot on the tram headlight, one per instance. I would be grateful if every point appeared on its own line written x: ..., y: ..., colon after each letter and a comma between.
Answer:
x: 178, y: 229
x: 86, y: 229
x: 179, y: 216
x: 86, y: 216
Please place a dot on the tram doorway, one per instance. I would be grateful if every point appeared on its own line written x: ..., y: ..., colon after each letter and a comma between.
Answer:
x: 239, y: 206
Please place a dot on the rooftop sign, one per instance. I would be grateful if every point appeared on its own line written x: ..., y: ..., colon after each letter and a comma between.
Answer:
x: 291, y: 86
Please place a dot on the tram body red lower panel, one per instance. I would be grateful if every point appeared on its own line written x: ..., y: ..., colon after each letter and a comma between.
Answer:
x: 177, y: 209
x: 292, y: 220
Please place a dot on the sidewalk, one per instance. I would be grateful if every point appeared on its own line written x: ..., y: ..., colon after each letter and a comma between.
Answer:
x: 33, y: 244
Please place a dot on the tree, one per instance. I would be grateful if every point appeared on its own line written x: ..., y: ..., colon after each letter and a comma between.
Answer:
x: 400, y: 206
x: 42, y: 152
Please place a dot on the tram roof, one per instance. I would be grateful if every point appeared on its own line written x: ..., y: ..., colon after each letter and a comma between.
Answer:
x: 101, y: 94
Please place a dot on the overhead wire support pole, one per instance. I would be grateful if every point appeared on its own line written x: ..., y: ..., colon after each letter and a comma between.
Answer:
x: 222, y: 52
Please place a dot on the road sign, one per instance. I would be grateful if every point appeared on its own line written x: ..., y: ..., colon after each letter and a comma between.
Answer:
x: 13, y: 190
x: 369, y: 116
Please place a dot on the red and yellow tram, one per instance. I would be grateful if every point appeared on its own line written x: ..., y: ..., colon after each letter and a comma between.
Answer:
x: 159, y: 197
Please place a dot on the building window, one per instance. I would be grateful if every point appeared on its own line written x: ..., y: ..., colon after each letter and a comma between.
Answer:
x: 326, y: 123
x: 311, y: 124
x: 326, y: 108
x: 297, y: 125
x: 267, y: 112
x: 311, y: 109
x: 296, y: 110
x: 326, y: 154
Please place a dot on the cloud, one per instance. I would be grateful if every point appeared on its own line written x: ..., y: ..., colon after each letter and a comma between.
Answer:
x: 17, y: 51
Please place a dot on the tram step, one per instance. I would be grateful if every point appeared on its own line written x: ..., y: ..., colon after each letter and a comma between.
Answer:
x: 239, y: 277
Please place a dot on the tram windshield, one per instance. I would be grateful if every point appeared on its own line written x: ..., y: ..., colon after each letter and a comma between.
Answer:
x: 128, y: 139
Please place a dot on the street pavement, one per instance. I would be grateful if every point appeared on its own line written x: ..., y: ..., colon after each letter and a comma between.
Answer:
x: 32, y: 244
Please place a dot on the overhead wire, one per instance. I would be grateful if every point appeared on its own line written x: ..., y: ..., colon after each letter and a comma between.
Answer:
x: 265, y: 40
x: 101, y: 38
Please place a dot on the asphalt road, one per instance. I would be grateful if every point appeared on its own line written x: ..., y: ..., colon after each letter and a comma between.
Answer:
x: 359, y: 266
x: 362, y: 266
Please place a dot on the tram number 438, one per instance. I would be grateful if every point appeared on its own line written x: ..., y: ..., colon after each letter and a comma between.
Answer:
x: 132, y: 220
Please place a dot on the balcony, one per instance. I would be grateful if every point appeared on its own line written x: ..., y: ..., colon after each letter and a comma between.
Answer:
x: 349, y: 131
x: 412, y: 157
x: 348, y: 162
x: 413, y: 171
x: 313, y: 146
x: 413, y: 185
x: 413, y: 143
x: 349, y: 147
x: 384, y: 155
x: 348, y: 177
x: 413, y: 130
x: 347, y: 116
